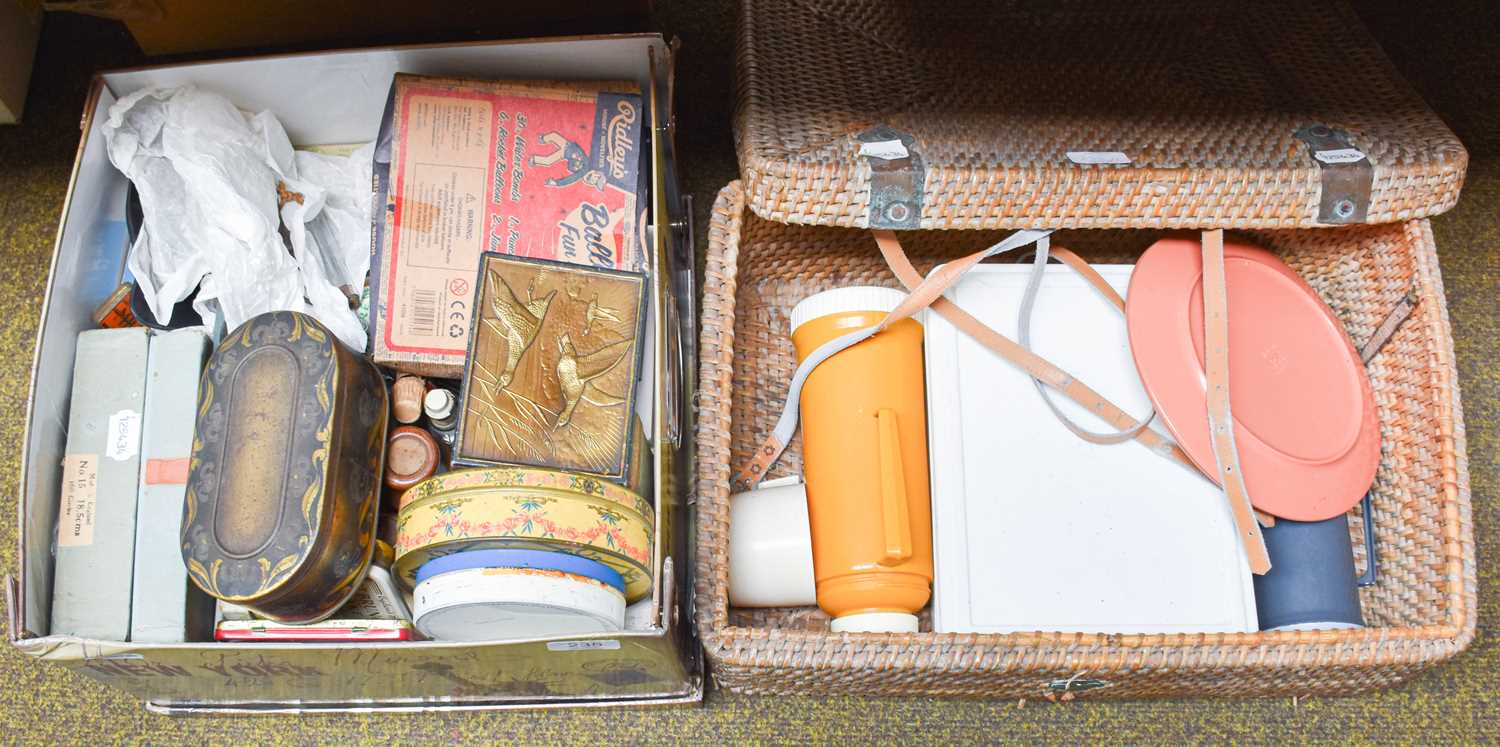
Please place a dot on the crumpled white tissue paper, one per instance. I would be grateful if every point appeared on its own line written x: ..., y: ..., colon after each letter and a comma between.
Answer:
x: 207, y: 175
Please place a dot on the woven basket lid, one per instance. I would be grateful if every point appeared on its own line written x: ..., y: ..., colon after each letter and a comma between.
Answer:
x: 1015, y: 114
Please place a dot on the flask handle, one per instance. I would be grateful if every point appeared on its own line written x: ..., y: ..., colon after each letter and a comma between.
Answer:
x: 895, y: 518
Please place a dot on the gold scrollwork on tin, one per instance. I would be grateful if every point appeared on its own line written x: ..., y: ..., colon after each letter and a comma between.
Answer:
x: 308, y: 371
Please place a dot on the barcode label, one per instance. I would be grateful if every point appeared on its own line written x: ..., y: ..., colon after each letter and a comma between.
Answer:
x: 424, y: 312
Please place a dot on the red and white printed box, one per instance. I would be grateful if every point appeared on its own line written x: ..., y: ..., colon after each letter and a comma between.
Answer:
x: 549, y: 170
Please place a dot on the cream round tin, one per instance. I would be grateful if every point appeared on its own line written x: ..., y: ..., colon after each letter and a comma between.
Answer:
x: 496, y: 604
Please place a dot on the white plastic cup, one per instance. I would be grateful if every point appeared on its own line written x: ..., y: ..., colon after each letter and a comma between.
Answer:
x: 770, y: 547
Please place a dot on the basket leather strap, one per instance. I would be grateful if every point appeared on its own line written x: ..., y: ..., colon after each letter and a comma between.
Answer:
x: 1088, y: 273
x: 1220, y: 417
x: 1044, y: 251
x: 1036, y: 366
x: 1247, y: 520
x: 1388, y: 326
x: 1367, y: 352
x: 1041, y: 369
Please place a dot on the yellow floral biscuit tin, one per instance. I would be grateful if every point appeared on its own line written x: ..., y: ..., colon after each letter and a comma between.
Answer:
x: 449, y: 483
x: 526, y: 508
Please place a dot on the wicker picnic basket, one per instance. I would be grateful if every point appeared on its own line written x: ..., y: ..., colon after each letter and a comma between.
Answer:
x: 988, y: 113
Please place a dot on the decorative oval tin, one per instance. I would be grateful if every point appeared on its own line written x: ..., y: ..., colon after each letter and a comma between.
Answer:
x: 527, y: 509
x: 284, y: 478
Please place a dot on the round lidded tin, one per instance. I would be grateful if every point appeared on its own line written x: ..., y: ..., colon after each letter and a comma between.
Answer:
x: 523, y: 508
x: 491, y: 604
x: 411, y: 456
x: 535, y: 559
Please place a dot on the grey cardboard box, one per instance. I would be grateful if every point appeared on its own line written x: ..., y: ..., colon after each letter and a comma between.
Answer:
x: 338, y: 97
x: 96, y: 513
x: 163, y: 606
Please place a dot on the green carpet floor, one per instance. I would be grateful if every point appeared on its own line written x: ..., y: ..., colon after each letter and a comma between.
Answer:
x: 1446, y: 49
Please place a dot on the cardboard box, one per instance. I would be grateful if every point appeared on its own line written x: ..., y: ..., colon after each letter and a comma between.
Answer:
x: 20, y: 27
x: 176, y: 26
x: 546, y: 170
x: 164, y: 606
x: 338, y: 98
x: 96, y: 511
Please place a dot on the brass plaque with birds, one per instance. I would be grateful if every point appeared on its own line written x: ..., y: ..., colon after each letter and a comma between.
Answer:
x: 554, y: 355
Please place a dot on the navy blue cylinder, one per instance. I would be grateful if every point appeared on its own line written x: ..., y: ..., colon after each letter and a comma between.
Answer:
x: 1311, y: 583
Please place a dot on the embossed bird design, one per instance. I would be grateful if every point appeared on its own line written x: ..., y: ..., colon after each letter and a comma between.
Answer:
x: 595, y: 312
x: 576, y: 372
x: 515, y: 321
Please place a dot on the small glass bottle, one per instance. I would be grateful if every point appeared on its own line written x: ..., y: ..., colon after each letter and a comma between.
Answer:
x: 442, y: 414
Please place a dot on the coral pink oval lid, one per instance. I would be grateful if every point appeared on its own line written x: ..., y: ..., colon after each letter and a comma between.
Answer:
x: 1304, y: 413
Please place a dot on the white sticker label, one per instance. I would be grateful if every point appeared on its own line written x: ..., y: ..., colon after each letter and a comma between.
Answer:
x: 124, y: 435
x: 80, y: 484
x: 607, y: 645
x: 1090, y: 157
x: 889, y: 150
x: 1340, y: 155
x: 372, y: 601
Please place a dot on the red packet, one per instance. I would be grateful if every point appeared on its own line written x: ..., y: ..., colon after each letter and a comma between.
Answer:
x: 115, y: 311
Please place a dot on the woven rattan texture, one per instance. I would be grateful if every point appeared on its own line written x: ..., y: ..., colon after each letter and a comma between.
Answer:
x: 1420, y: 613
x: 1205, y: 98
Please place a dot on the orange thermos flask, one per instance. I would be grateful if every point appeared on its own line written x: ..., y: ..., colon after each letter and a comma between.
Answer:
x: 864, y: 454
